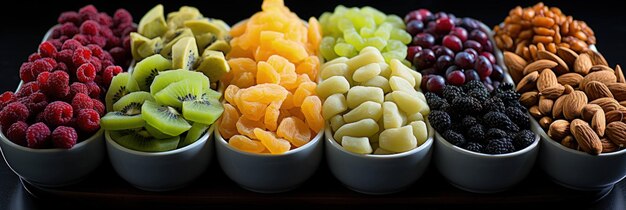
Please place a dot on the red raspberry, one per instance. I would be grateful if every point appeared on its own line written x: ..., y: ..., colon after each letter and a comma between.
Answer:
x: 65, y: 56
x: 61, y: 40
x: 78, y: 87
x: 57, y: 85
x: 68, y: 17
x: 98, y: 106
x: 126, y: 43
x: 38, y: 136
x: 27, y: 89
x: 97, y: 64
x: 95, y: 50
x: 47, y: 49
x: 56, y: 32
x: 107, y: 63
x: 113, y: 42
x: 86, y: 72
x: 109, y: 73
x: 71, y: 44
x: 58, y: 113
x: 81, y: 101
x: 81, y: 55
x: 94, y: 89
x: 12, y: 113
x: 106, y: 32
x: 118, y: 54
x: 25, y: 72
x: 104, y: 19
x: 98, y: 40
x: 127, y: 30
x: 17, y: 133
x: 122, y: 16
x: 6, y: 98
x: 69, y: 29
x: 64, y: 137
x: 39, y: 66
x: 37, y: 102
x: 88, y: 120
x: 42, y: 79
x: 90, y: 28
x: 84, y: 40
x: 50, y: 61
x: 88, y: 9
x: 61, y: 67
x: 57, y: 43
x: 98, y: 80
x: 33, y: 57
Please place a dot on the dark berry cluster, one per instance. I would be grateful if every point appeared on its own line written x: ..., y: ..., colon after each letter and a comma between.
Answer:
x: 472, y: 118
x: 60, y: 100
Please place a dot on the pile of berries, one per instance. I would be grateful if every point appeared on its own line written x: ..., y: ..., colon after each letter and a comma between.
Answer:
x: 472, y: 118
x: 60, y: 100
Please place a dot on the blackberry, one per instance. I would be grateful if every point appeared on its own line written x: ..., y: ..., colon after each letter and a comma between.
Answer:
x: 479, y: 93
x: 507, y: 95
x: 494, y: 133
x: 499, y: 120
x: 518, y: 117
x: 450, y: 92
x: 434, y: 101
x: 506, y: 86
x: 523, y: 139
x: 466, y: 104
x: 476, y: 132
x: 474, y: 84
x: 499, y: 146
x: 473, y: 146
x: 469, y: 121
x: 440, y: 120
x: 493, y: 104
x: 454, y: 137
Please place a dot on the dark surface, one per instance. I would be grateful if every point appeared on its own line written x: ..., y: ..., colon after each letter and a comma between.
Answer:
x: 25, y: 25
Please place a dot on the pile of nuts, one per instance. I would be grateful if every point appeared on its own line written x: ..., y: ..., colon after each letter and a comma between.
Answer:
x: 530, y: 30
x: 577, y: 98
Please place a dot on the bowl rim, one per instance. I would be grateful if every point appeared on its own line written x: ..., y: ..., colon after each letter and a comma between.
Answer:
x: 77, y: 146
x: 489, y: 156
x: 220, y: 140
x: 205, y: 137
x: 427, y: 144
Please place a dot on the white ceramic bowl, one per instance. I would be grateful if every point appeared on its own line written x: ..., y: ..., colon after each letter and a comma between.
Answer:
x: 161, y: 171
x: 54, y: 167
x: 377, y: 174
x: 578, y: 170
x: 483, y: 173
x: 267, y: 173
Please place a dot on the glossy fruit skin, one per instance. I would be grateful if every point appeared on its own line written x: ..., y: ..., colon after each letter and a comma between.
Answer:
x: 435, y: 83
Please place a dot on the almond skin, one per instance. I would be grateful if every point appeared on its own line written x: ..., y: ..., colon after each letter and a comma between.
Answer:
x: 596, y: 58
x: 607, y: 104
x: 598, y: 123
x: 539, y: 65
x: 546, y: 79
x: 557, y: 108
x: 583, y: 64
x: 608, y: 146
x: 619, y: 74
x: 529, y: 98
x: 516, y: 65
x: 561, y: 68
x: 559, y: 129
x: 553, y: 92
x: 545, y: 122
x: 586, y: 138
x: 615, y: 115
x: 589, y: 110
x: 595, y: 90
x: 528, y: 82
x: 569, y: 56
x: 534, y: 111
x: 545, y: 106
x: 616, y: 132
x: 618, y: 90
x: 573, y: 104
x: 605, y: 77
x: 570, y: 142
x: 572, y: 79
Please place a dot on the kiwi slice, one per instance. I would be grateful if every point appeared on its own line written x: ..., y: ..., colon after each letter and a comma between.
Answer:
x: 222, y: 26
x: 213, y: 64
x: 132, y: 100
x: 184, y: 53
x: 151, y: 47
x: 211, y: 94
x: 121, y: 85
x: 176, y: 20
x: 156, y: 133
x: 171, y: 37
x: 115, y: 134
x: 164, y: 118
x: 152, y: 24
x: 137, y: 40
x: 194, y: 133
x: 176, y: 93
x: 203, y: 26
x: 202, y: 111
x: 142, y: 141
x: 148, y: 68
x: 204, y: 40
x: 166, y: 78
x: 219, y: 45
x: 121, y: 121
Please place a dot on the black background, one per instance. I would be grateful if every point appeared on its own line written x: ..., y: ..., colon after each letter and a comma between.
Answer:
x: 24, y: 24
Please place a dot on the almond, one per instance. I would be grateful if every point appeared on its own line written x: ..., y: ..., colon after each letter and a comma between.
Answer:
x: 608, y: 146
x: 557, y: 108
x: 534, y: 111
x: 545, y: 106
x: 619, y: 74
x: 573, y: 104
x: 528, y: 82
x: 598, y: 123
x: 595, y: 90
x: 546, y: 79
x: 572, y: 79
x: 559, y: 129
x: 516, y: 65
x: 616, y: 132
x: 553, y: 92
x: 561, y: 68
x: 615, y: 115
x: 582, y: 64
x: 539, y: 65
x: 607, y: 104
x: 569, y: 56
x: 568, y: 89
x: 589, y: 110
x: 623, y: 103
x: 618, y: 90
x: 601, y: 68
x: 529, y: 98
x: 586, y: 138
x: 596, y: 58
x: 544, y: 122
x: 570, y: 142
x: 605, y: 77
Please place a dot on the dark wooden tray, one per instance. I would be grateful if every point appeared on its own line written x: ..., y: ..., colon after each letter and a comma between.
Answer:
x: 105, y: 188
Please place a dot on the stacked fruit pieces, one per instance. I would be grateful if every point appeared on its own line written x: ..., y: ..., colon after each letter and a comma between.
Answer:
x: 348, y: 30
x: 59, y: 102
x: 187, y: 38
x: 271, y: 105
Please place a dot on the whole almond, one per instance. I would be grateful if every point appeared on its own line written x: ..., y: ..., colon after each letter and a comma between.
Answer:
x: 572, y: 79
x: 515, y: 64
x: 586, y: 138
x: 557, y: 108
x: 570, y: 142
x: 573, y: 104
x: 553, y: 92
x: 559, y: 129
x: 619, y: 74
x: 615, y: 115
x: 569, y: 56
x: 582, y: 64
x: 545, y: 122
x: 568, y: 89
x: 601, y: 68
x: 618, y: 90
x: 595, y: 90
x: 607, y: 104
x: 561, y: 68
x: 598, y: 123
x: 608, y: 146
x: 589, y: 110
x: 546, y: 79
x: 616, y: 132
x: 528, y: 82
x: 534, y: 111
x: 596, y: 58
x: 605, y: 77
x: 529, y: 98
x: 539, y: 65
x: 623, y: 103
x: 545, y: 105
